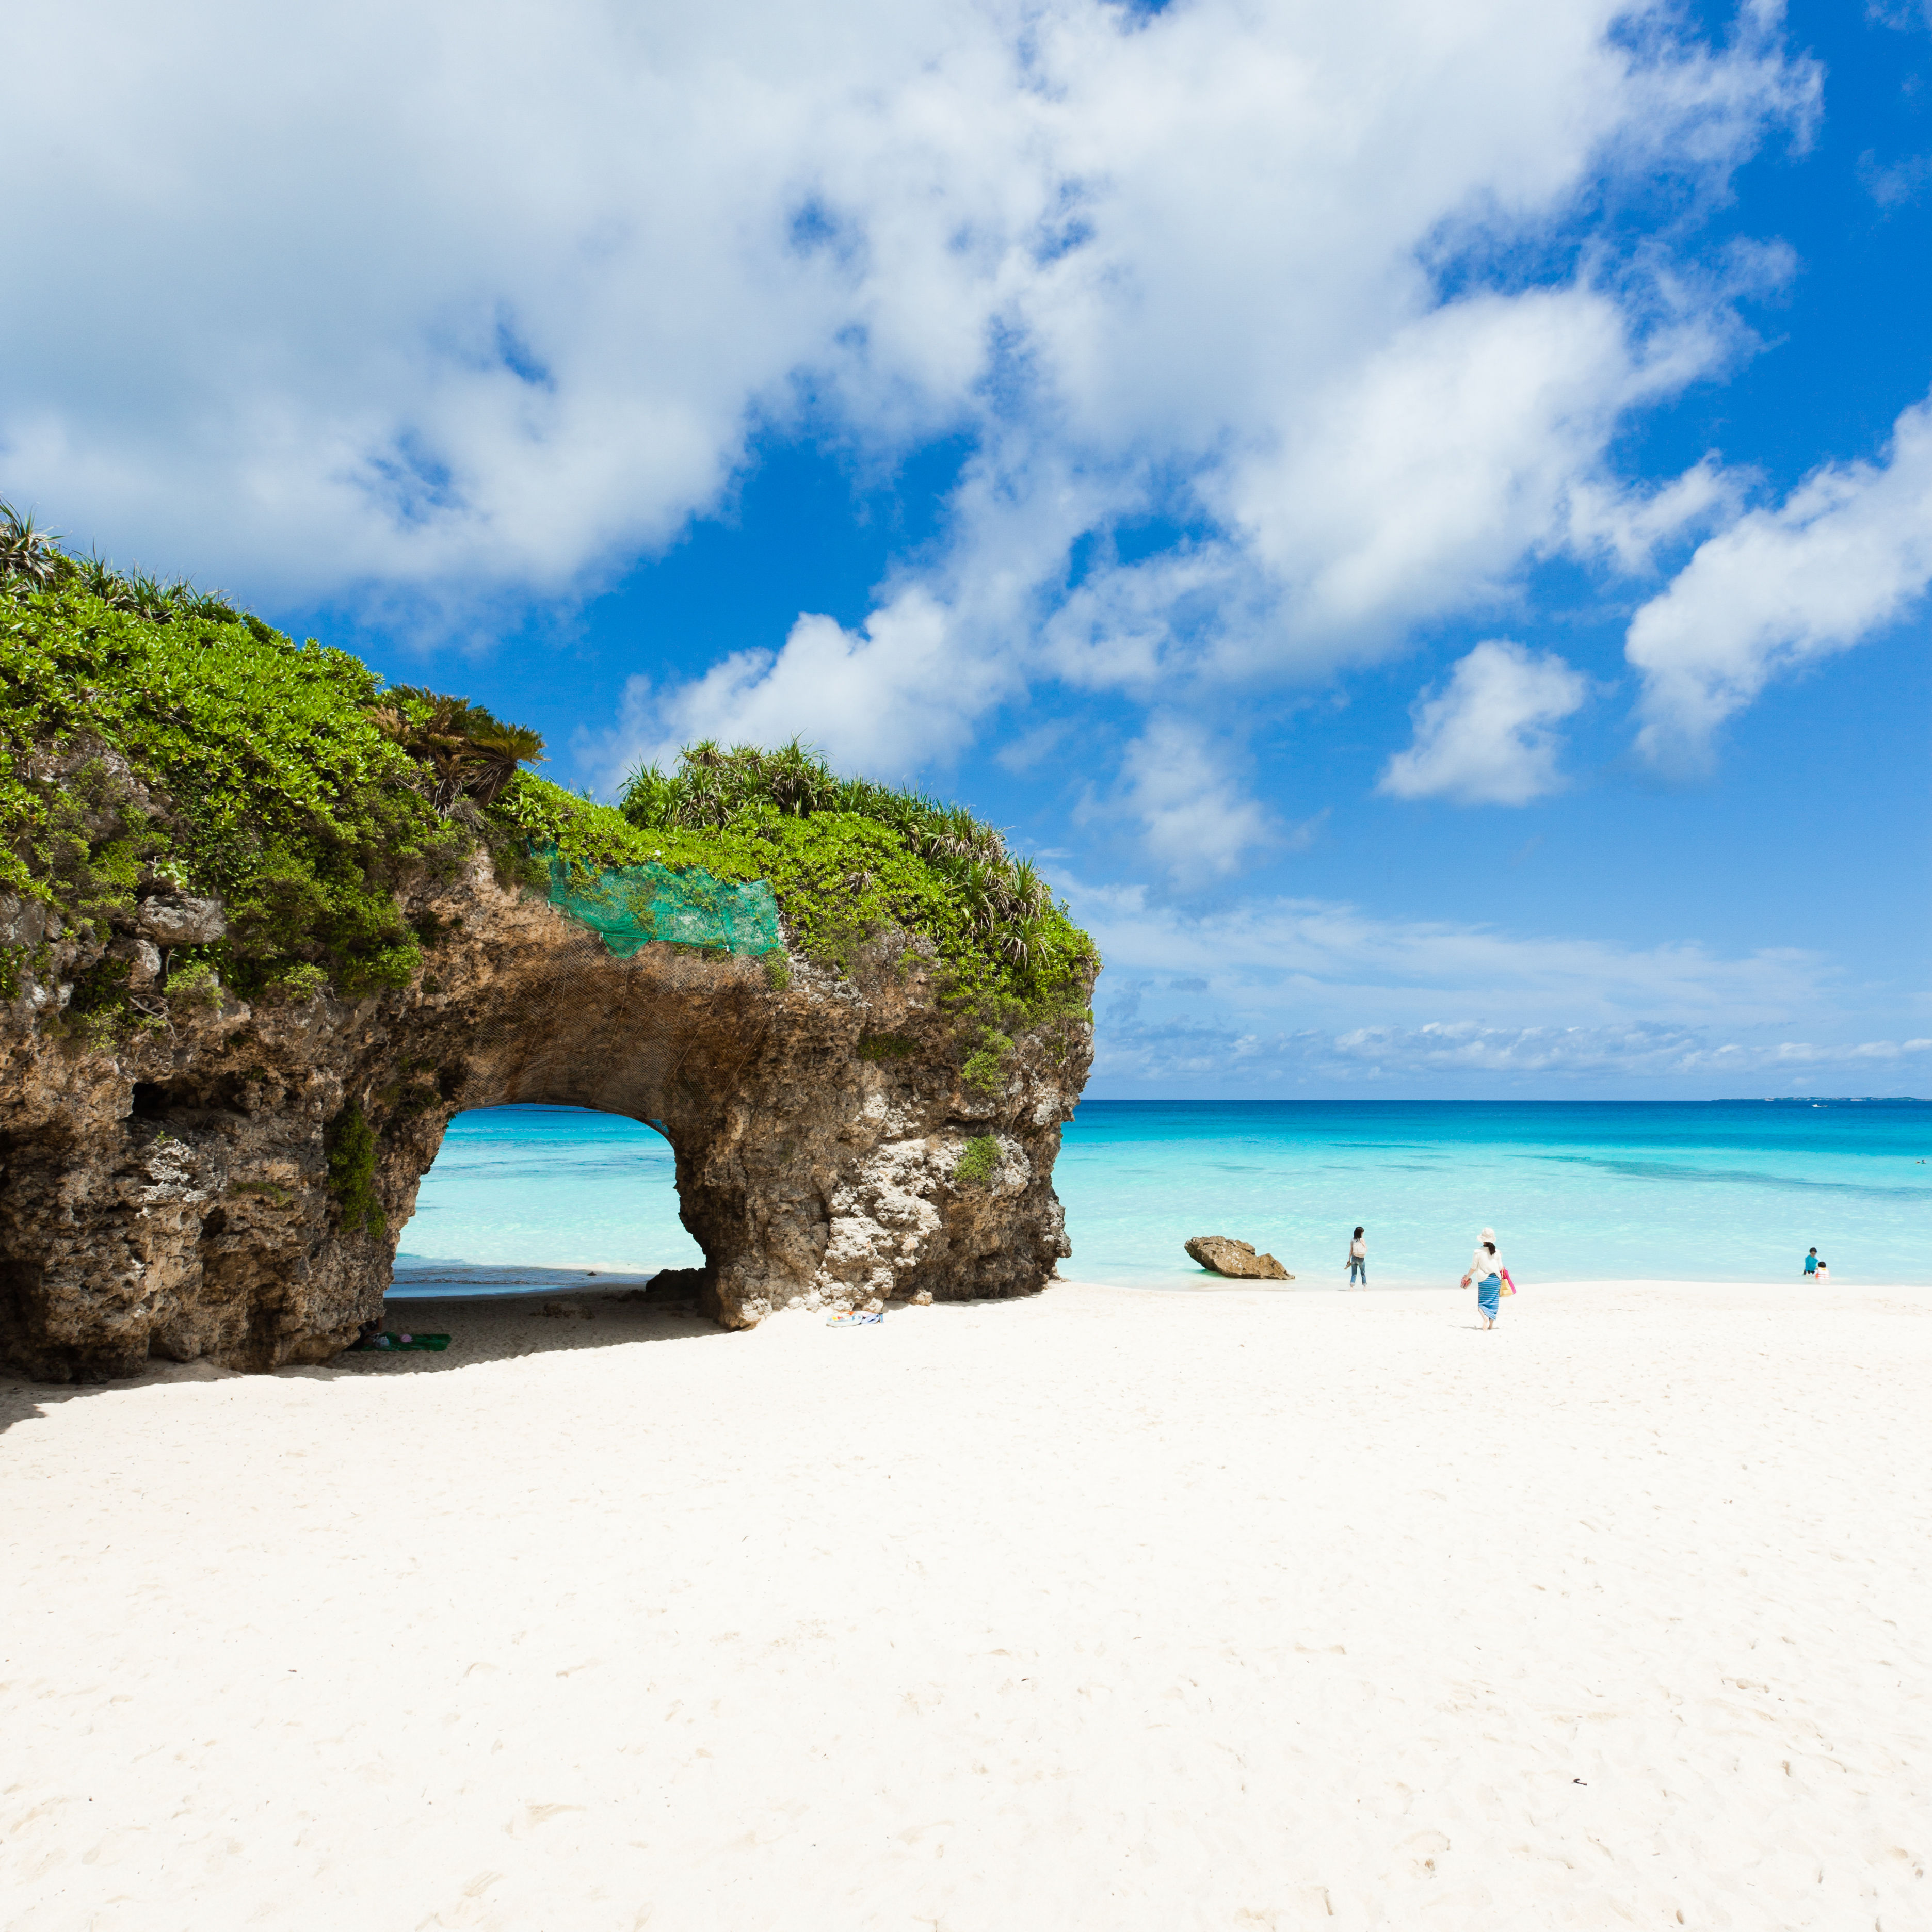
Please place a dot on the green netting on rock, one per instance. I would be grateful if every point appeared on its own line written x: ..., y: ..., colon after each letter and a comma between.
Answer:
x: 633, y: 905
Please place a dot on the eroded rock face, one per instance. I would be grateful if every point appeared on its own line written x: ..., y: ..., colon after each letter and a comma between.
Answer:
x: 1223, y: 1254
x: 174, y: 1197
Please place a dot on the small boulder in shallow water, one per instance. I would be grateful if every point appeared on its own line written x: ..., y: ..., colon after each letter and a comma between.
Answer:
x: 1224, y: 1255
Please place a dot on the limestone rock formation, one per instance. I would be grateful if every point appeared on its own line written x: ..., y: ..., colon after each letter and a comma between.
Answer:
x: 1223, y: 1254
x: 266, y: 923
x: 229, y: 1183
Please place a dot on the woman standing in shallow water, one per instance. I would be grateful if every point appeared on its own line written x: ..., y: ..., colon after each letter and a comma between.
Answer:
x: 1485, y: 1269
x: 1358, y: 1259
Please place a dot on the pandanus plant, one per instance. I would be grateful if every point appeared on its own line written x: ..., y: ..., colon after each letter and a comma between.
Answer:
x: 33, y: 557
x: 27, y: 553
x: 1006, y: 900
x: 469, y: 751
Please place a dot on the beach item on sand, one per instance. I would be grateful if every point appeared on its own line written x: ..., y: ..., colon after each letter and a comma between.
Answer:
x: 386, y: 1345
x: 856, y: 1318
x: 1222, y: 1254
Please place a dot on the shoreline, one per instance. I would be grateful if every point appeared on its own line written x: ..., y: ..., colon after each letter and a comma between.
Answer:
x: 453, y: 1287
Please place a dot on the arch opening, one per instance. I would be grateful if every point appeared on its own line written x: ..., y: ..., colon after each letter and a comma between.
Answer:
x: 530, y: 1197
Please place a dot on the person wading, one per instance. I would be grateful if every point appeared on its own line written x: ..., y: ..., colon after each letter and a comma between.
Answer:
x: 1358, y: 1259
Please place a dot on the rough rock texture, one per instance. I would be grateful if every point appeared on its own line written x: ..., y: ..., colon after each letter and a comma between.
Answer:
x: 231, y: 1183
x: 1225, y: 1255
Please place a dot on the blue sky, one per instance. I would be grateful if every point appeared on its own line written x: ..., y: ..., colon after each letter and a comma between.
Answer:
x: 1421, y: 513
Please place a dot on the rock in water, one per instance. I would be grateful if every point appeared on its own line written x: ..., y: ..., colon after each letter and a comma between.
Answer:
x: 1224, y: 1255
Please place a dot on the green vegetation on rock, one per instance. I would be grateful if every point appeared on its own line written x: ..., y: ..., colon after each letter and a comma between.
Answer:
x: 350, y: 1144
x: 849, y: 861
x: 850, y: 865
x: 985, y: 1069
x: 978, y: 1163
x: 167, y: 740
x: 155, y: 739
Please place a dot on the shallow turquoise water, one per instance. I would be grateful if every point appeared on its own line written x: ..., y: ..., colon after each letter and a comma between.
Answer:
x: 1716, y: 1191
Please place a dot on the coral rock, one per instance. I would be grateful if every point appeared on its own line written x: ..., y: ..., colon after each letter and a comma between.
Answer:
x: 173, y: 918
x: 1224, y: 1255
x: 229, y: 1183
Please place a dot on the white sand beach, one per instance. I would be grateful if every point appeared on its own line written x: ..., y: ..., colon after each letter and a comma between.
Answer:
x: 1108, y: 1609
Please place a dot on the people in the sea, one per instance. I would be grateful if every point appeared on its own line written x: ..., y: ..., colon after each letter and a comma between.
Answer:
x: 1810, y: 1264
x: 1485, y: 1269
x: 1824, y: 1274
x: 1358, y: 1258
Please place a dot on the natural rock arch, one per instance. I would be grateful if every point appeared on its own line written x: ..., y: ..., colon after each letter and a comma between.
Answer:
x: 265, y: 923
x: 233, y: 1188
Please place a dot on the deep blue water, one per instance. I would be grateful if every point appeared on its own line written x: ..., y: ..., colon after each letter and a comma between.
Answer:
x: 1718, y: 1190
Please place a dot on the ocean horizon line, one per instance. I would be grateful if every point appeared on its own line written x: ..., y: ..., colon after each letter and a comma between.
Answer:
x: 1514, y: 1100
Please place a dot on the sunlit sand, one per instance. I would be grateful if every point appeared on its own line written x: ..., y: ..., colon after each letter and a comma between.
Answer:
x: 1107, y: 1608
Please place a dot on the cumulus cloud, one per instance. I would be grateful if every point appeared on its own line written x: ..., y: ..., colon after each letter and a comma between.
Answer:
x: 431, y: 292
x: 432, y: 304
x: 1186, y: 791
x: 1487, y: 738
x: 1845, y: 554
x: 1229, y: 315
x: 884, y: 699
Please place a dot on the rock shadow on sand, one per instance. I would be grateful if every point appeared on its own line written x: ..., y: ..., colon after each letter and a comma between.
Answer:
x: 482, y: 1329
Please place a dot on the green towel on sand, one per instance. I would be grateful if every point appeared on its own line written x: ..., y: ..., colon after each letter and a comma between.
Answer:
x: 391, y: 1345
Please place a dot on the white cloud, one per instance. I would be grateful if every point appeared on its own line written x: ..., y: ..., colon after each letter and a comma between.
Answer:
x: 1845, y: 554
x: 1630, y: 525
x: 1896, y: 184
x: 431, y: 294
x: 1417, y: 482
x: 1267, y: 995
x: 884, y: 701
x: 1186, y: 791
x: 1491, y: 1058
x: 1226, y: 316
x: 1335, y: 958
x: 420, y: 305
x: 1486, y: 740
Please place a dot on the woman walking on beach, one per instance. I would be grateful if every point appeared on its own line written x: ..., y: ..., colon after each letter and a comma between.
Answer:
x: 1485, y: 1270
x: 1358, y: 1259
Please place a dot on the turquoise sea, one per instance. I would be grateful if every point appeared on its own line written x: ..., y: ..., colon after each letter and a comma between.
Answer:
x: 1576, y: 1190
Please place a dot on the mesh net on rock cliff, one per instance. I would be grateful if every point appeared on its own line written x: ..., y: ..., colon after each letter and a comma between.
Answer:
x: 632, y: 906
